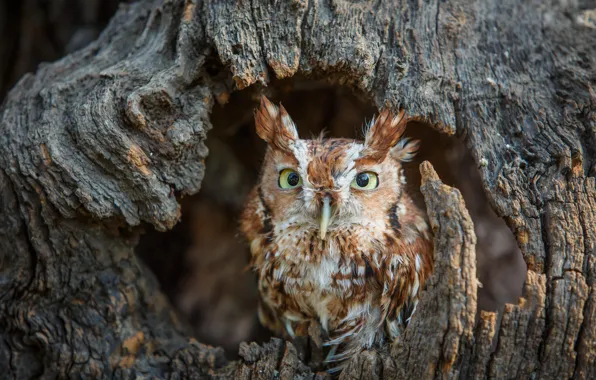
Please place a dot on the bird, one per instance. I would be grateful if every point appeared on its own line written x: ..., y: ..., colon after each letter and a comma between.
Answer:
x: 334, y: 237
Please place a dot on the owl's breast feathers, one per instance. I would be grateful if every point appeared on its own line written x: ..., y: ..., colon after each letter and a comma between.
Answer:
x: 361, y: 283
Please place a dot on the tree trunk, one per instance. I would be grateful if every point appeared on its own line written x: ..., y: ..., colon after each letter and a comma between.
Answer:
x: 107, y: 140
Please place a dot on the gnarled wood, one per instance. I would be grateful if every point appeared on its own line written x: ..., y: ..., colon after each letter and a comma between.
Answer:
x: 101, y: 142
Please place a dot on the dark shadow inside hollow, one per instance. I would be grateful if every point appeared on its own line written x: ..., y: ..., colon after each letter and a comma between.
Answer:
x: 202, y: 264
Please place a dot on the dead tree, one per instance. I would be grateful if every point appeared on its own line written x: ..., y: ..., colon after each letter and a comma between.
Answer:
x: 106, y: 139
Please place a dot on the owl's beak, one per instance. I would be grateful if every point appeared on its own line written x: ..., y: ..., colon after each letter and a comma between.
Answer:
x: 326, y: 216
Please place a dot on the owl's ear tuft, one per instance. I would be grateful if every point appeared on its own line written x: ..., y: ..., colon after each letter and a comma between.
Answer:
x: 274, y: 125
x: 266, y: 119
x: 384, y: 132
x: 405, y: 149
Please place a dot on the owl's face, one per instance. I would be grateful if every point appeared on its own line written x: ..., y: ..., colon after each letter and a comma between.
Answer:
x: 327, y: 184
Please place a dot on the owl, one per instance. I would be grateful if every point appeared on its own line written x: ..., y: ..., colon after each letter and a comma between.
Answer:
x: 334, y: 237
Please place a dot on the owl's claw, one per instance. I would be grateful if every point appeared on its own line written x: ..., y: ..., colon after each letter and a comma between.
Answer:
x: 331, y: 354
x: 290, y: 330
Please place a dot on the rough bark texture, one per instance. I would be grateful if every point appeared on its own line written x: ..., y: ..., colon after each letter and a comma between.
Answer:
x: 103, y: 141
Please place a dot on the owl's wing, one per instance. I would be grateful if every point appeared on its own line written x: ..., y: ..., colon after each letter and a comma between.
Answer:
x: 256, y: 226
x: 402, y: 276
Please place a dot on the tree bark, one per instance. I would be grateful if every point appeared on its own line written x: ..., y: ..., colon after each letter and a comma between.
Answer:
x: 106, y: 140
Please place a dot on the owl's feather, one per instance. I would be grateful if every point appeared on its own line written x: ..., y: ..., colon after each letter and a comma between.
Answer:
x: 361, y: 282
x: 383, y: 133
x: 274, y: 125
x: 405, y: 149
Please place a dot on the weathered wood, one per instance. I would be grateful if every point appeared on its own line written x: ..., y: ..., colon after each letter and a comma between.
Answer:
x: 101, y: 142
x: 442, y: 328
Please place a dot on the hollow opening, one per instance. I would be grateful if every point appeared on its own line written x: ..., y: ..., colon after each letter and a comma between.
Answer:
x: 202, y: 263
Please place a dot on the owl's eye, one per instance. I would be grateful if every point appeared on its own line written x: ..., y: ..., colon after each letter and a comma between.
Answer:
x: 289, y: 179
x: 365, y: 181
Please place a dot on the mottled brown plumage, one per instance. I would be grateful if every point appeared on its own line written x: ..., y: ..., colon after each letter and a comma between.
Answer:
x: 327, y: 248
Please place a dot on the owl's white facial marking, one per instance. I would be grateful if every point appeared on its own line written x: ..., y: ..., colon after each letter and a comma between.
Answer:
x: 300, y: 152
x: 346, y: 177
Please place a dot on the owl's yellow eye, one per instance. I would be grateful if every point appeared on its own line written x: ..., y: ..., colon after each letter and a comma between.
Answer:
x: 289, y: 179
x: 365, y: 181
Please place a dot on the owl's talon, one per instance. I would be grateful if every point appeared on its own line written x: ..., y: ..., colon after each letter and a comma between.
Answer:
x: 331, y: 353
x: 290, y: 330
